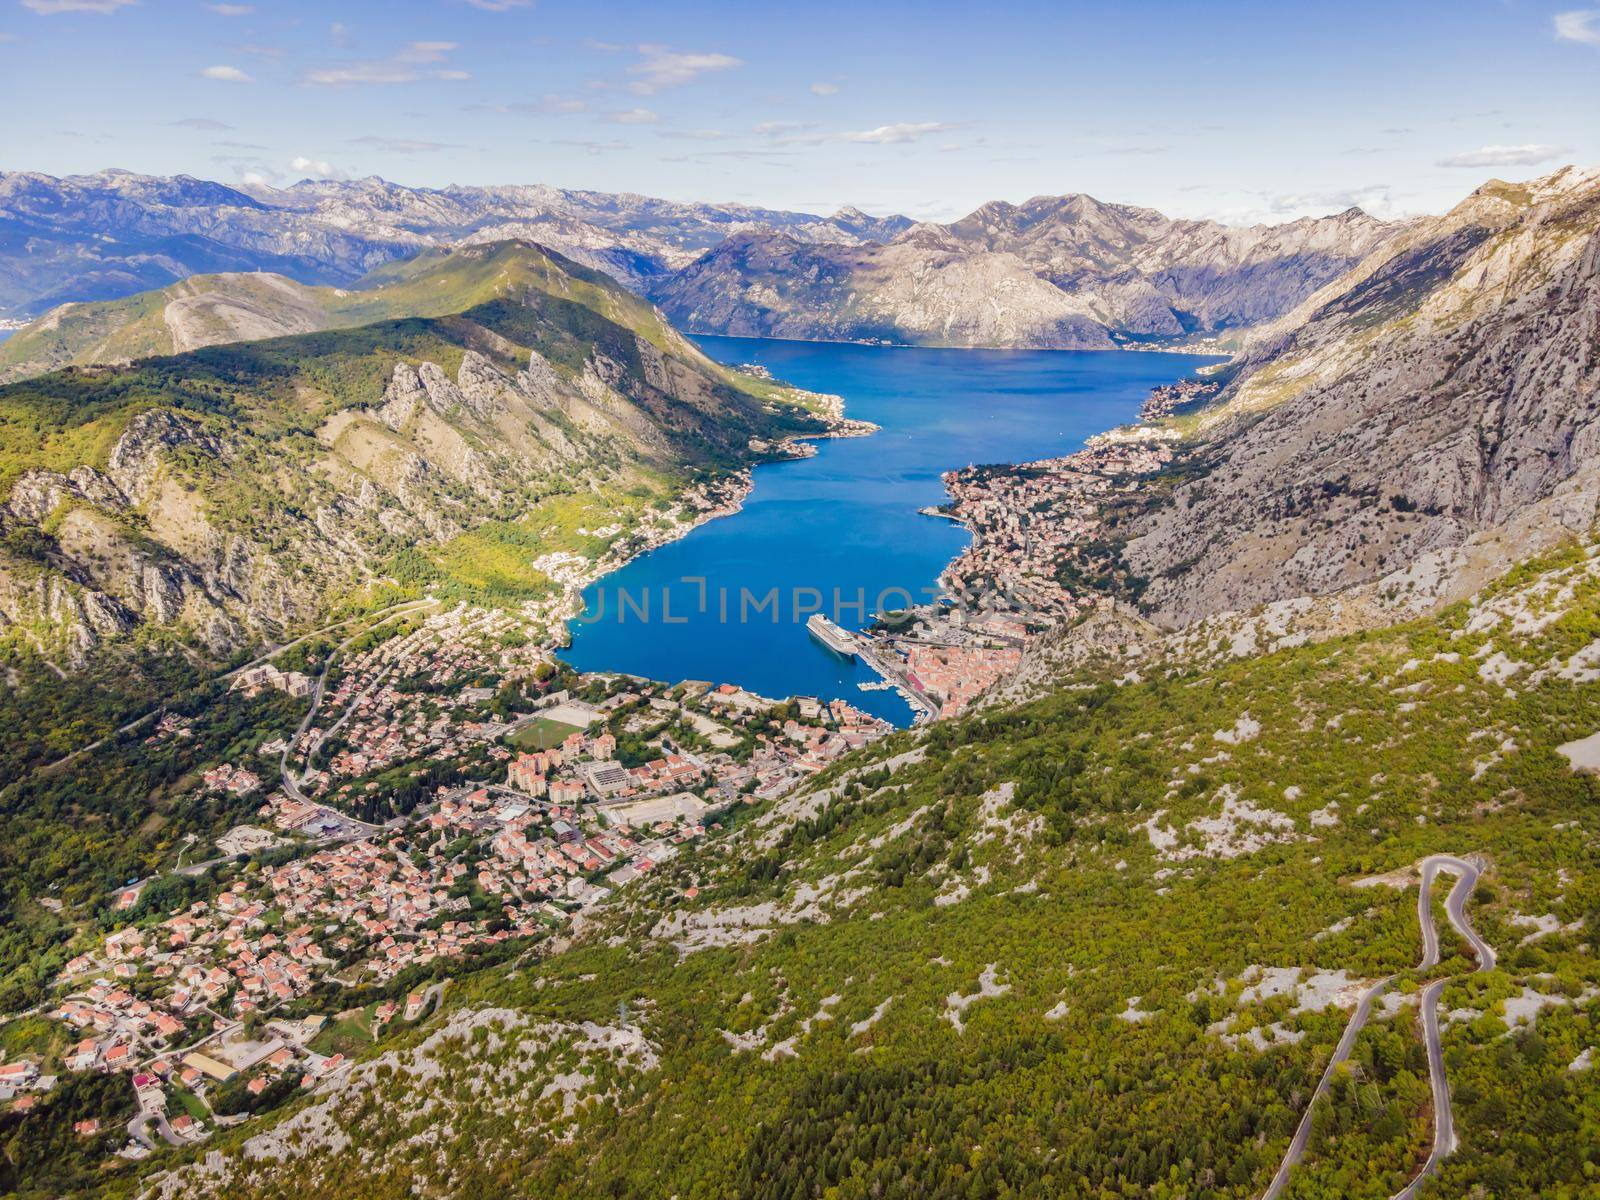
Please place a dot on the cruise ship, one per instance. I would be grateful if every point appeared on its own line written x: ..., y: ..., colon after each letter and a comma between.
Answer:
x: 831, y: 636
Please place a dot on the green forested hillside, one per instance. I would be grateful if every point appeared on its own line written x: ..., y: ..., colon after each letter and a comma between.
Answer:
x: 197, y: 490
x: 1098, y: 945
x: 209, y: 310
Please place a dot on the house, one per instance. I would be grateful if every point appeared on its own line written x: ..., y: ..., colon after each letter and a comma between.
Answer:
x: 87, y: 1129
x: 414, y: 1005
x: 186, y: 1126
x: 209, y: 1066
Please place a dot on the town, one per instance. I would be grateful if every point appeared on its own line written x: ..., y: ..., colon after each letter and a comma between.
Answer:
x: 453, y: 792
x: 1037, y: 543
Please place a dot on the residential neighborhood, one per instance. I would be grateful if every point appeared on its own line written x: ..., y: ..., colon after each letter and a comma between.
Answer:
x: 451, y: 790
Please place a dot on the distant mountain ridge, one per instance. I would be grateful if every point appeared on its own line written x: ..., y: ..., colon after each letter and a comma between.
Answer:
x: 1068, y: 272
x: 209, y: 310
x: 113, y: 233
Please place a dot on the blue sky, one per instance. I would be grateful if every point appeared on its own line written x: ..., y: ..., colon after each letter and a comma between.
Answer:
x: 1243, y: 111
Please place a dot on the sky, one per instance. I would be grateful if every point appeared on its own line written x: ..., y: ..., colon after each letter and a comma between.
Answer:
x: 1237, y: 111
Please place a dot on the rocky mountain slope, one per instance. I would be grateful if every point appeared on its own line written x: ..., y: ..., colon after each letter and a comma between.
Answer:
x: 771, y: 285
x: 1415, y: 426
x: 232, y: 492
x: 1056, y: 272
x: 101, y: 236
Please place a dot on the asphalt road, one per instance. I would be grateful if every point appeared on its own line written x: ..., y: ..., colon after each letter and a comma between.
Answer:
x: 1302, y: 1132
x: 139, y: 1129
x: 1444, y: 1127
x: 1444, y: 1137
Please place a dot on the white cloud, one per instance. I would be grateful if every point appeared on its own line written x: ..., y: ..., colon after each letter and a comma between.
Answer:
x: 232, y: 10
x: 632, y: 116
x: 694, y: 135
x: 779, y: 128
x: 590, y: 146
x: 314, y: 168
x: 426, y: 52
x: 500, y: 5
x: 902, y: 132
x: 205, y: 124
x: 825, y: 89
x: 1274, y: 208
x: 1582, y: 25
x: 662, y: 68
x: 414, y: 62
x: 548, y: 105
x: 1504, y: 156
x: 884, y: 135
x: 51, y: 8
x: 226, y: 75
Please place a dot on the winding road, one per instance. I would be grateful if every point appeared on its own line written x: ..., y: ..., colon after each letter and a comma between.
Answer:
x: 1444, y: 1137
x: 1444, y: 1128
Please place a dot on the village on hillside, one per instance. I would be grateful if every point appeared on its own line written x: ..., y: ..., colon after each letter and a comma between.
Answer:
x: 454, y: 794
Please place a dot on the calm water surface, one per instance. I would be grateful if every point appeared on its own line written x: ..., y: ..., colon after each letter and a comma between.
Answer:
x: 847, y: 519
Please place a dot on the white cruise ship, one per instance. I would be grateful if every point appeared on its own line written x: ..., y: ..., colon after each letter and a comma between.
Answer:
x: 831, y: 636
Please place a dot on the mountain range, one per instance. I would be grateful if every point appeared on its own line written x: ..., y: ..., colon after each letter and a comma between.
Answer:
x: 1065, y: 272
x: 113, y: 233
x: 1060, y: 272
x: 1410, y: 430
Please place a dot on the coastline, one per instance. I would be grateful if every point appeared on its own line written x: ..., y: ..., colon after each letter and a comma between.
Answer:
x: 739, y: 484
x: 880, y: 344
x: 997, y: 594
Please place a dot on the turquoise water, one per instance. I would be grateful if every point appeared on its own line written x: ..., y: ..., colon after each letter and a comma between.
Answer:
x: 841, y: 530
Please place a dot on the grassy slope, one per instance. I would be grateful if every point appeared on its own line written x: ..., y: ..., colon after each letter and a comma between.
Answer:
x: 1020, y: 1104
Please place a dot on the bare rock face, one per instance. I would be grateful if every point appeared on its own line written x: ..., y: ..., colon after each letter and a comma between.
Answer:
x: 1440, y: 396
x: 1059, y: 272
